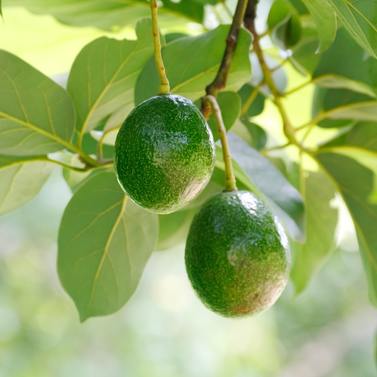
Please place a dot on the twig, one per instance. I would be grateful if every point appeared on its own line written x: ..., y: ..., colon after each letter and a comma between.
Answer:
x: 231, y: 43
x: 249, y: 22
x: 230, y: 179
x: 164, y: 82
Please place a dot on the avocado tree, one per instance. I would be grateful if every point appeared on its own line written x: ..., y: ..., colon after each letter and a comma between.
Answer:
x: 164, y: 157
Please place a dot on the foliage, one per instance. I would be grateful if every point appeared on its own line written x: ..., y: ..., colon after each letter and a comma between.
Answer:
x: 330, y: 43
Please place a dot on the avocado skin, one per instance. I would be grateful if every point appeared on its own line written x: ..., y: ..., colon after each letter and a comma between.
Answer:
x: 164, y: 153
x: 237, y: 256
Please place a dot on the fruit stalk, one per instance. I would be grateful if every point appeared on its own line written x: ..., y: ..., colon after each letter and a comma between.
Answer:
x: 164, y: 82
x: 230, y: 179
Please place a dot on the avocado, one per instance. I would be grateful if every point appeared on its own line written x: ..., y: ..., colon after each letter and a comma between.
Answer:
x: 164, y: 153
x: 237, y: 256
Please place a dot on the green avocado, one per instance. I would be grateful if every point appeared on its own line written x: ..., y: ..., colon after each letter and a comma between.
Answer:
x: 237, y: 255
x: 164, y: 153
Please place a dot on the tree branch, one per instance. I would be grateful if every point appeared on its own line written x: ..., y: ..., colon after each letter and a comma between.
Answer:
x: 249, y: 22
x: 231, y: 43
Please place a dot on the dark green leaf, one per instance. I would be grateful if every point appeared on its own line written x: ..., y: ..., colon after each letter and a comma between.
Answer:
x: 320, y: 228
x: 36, y: 115
x: 357, y: 184
x: 362, y: 135
x: 359, y: 18
x: 103, y: 77
x: 263, y: 178
x: 252, y: 102
x: 285, y: 24
x: 325, y: 19
x: 257, y: 134
x: 104, y: 243
x: 21, y: 179
x: 190, y: 67
x: 352, y: 58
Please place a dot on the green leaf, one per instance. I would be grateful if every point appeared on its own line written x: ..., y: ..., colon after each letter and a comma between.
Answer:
x: 104, y: 243
x: 111, y: 14
x: 363, y: 135
x: 320, y: 228
x: 36, y: 115
x: 230, y: 105
x: 174, y: 228
x: 340, y: 82
x: 190, y: 68
x: 252, y: 102
x: 357, y: 185
x: 264, y: 178
x: 304, y: 56
x: 103, y: 77
x: 21, y: 179
x: 285, y: 24
x: 352, y: 57
x: 359, y: 111
x: 359, y: 18
x: 257, y: 134
x: 325, y: 19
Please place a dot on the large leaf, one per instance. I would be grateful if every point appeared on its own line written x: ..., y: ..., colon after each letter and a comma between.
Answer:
x: 190, y: 67
x: 320, y: 228
x: 104, y: 243
x: 103, y: 76
x: 21, y: 179
x: 36, y: 115
x: 363, y: 135
x: 325, y: 19
x: 110, y: 14
x: 352, y: 58
x: 332, y: 81
x: 267, y: 181
x: 357, y: 184
x: 366, y: 111
x: 359, y: 18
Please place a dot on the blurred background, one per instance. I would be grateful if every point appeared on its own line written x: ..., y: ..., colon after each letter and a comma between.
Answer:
x: 164, y: 331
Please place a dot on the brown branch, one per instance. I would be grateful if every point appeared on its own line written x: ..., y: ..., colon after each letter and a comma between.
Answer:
x: 231, y: 43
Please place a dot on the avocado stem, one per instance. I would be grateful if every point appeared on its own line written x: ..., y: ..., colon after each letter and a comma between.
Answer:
x: 164, y: 82
x: 230, y: 179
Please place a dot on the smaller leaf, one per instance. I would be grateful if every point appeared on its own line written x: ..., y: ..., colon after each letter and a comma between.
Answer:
x: 21, y: 179
x: 104, y: 243
x: 257, y: 134
x: 252, y: 102
x: 230, y: 105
